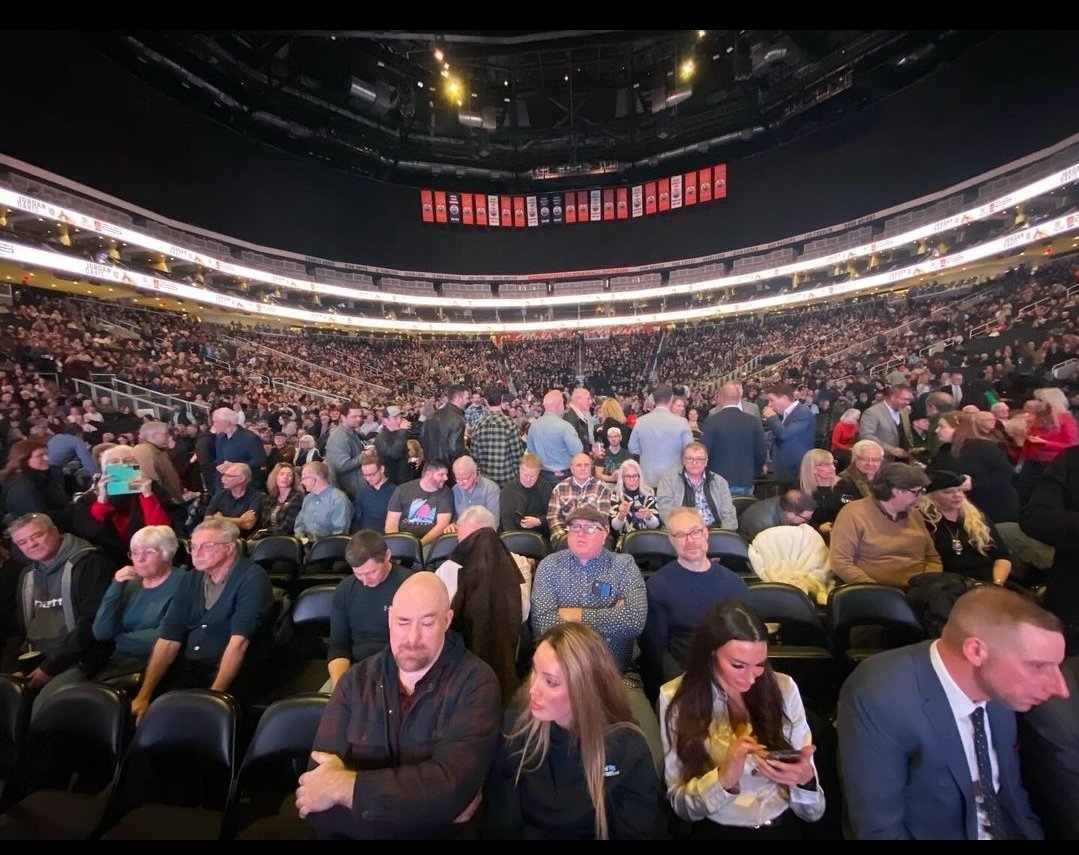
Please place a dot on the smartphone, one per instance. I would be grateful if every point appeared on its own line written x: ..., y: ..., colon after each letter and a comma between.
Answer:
x: 120, y: 477
x: 785, y: 755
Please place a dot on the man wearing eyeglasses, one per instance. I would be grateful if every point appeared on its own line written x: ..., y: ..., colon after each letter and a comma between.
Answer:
x: 680, y: 593
x: 694, y: 486
x: 876, y: 539
x: 217, y: 615
x: 589, y: 584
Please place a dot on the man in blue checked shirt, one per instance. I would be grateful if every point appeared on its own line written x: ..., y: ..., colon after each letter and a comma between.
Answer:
x: 605, y: 590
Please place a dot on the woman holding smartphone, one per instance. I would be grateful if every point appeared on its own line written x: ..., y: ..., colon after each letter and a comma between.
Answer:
x: 738, y: 750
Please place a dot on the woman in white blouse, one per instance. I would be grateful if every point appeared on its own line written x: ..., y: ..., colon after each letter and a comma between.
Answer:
x: 738, y: 751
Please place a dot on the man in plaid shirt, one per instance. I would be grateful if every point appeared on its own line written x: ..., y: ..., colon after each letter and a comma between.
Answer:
x: 496, y: 443
x: 581, y: 488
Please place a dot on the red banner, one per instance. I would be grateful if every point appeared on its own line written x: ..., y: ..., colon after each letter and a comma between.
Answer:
x: 650, y: 197
x: 719, y: 181
x: 427, y: 206
x: 519, y: 211
x: 506, y: 207
x: 689, y: 189
x: 665, y: 194
x: 582, y: 206
x: 467, y: 216
x: 481, y: 209
x: 440, y: 206
x: 622, y: 206
x: 608, y: 204
x: 704, y: 188
x: 570, y: 211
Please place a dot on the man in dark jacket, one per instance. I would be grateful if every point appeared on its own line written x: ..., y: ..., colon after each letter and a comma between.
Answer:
x: 57, y: 598
x: 443, y: 434
x: 219, y: 620
x: 391, y: 445
x: 409, y: 734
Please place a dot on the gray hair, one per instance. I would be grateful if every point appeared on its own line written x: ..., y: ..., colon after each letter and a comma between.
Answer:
x: 223, y: 527
x: 245, y: 470
x: 149, y: 429
x: 477, y: 515
x: 226, y: 415
x: 159, y: 537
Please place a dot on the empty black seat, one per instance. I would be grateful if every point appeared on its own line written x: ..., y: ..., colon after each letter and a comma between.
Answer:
x: 650, y: 549
x: 530, y: 544
x: 439, y: 550
x: 405, y: 549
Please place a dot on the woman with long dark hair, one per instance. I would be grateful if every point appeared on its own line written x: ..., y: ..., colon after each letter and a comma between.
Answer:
x: 28, y: 485
x: 573, y: 765
x: 739, y: 752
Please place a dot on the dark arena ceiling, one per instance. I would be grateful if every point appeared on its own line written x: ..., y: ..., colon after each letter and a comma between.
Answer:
x: 525, y: 106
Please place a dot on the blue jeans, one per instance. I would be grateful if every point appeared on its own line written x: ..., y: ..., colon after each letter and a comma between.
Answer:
x: 740, y: 491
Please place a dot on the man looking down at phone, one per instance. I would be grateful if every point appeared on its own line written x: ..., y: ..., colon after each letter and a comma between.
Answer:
x: 739, y: 752
x: 587, y: 583
x: 216, y: 616
x: 238, y: 503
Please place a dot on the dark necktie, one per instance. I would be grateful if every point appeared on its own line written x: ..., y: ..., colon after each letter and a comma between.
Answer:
x: 1000, y: 824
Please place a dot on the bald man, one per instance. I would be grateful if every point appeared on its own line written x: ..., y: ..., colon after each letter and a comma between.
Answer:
x: 927, y: 733
x: 409, y: 733
x: 553, y: 440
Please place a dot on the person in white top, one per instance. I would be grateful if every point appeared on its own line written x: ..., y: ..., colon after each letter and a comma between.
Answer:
x: 738, y: 752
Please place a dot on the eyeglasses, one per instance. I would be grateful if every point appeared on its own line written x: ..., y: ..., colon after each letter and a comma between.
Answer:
x: 149, y: 552
x: 693, y: 533
x: 202, y: 547
x: 915, y: 491
x: 694, y: 459
x: 589, y: 528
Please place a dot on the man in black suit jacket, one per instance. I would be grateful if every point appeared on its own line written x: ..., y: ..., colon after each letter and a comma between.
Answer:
x: 735, y: 442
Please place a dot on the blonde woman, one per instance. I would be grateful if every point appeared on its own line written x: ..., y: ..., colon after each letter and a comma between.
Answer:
x: 573, y: 764
x: 967, y: 541
x: 610, y: 415
x: 633, y: 505
x: 818, y: 479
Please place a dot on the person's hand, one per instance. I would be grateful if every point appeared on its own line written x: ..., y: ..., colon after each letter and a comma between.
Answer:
x: 320, y: 788
x: 767, y: 412
x: 899, y: 453
x: 825, y: 528
x: 643, y: 513
x: 571, y: 614
x: 145, y: 485
x: 125, y: 574
x: 1037, y: 440
x: 623, y: 510
x: 37, y: 678
x: 450, y: 529
x: 102, y: 489
x: 529, y: 522
x: 221, y: 467
x: 470, y: 811
x: 138, y: 708
x: 406, y: 424
x: 967, y: 484
x: 188, y: 495
x: 247, y: 518
x: 731, y: 772
x: 789, y: 774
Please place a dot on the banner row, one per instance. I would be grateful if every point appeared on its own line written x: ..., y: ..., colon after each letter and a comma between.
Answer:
x: 575, y: 206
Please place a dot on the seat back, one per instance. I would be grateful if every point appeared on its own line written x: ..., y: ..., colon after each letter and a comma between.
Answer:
x: 743, y: 502
x: 76, y: 739
x: 16, y: 699
x: 278, y: 754
x: 530, y: 544
x: 851, y: 606
x: 279, y: 555
x: 439, y: 550
x: 730, y: 549
x: 183, y: 753
x: 405, y: 549
x: 330, y: 548
x: 650, y: 549
x: 789, y: 606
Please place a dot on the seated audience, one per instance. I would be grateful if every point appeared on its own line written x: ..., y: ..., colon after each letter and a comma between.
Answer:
x: 524, y: 501
x: 724, y: 724
x: 572, y: 765
x: 856, y: 481
x: 471, y: 489
x: 423, y: 507
x: 966, y: 539
x: 633, y: 505
x: 284, y: 498
x: 877, y: 539
x: 358, y: 627
x: 580, y: 489
x: 373, y: 500
x: 792, y: 507
x: 134, y: 606
x: 326, y: 510
x: 818, y: 479
x: 237, y: 502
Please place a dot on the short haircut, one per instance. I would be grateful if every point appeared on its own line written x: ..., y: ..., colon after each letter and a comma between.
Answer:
x: 683, y: 511
x: 369, y: 458
x: 781, y: 389
x: 477, y: 515
x: 149, y: 428
x: 244, y: 469
x: 942, y: 402
x: 223, y: 527
x: 531, y: 461
x: 345, y: 409
x: 226, y: 415
x: 987, y: 609
x: 663, y: 393
x: 695, y: 446
x: 42, y: 521
x: 365, y: 545
x: 434, y: 465
x: 455, y: 391
x: 159, y: 537
x: 318, y: 469
x: 465, y: 464
x: 899, y: 387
